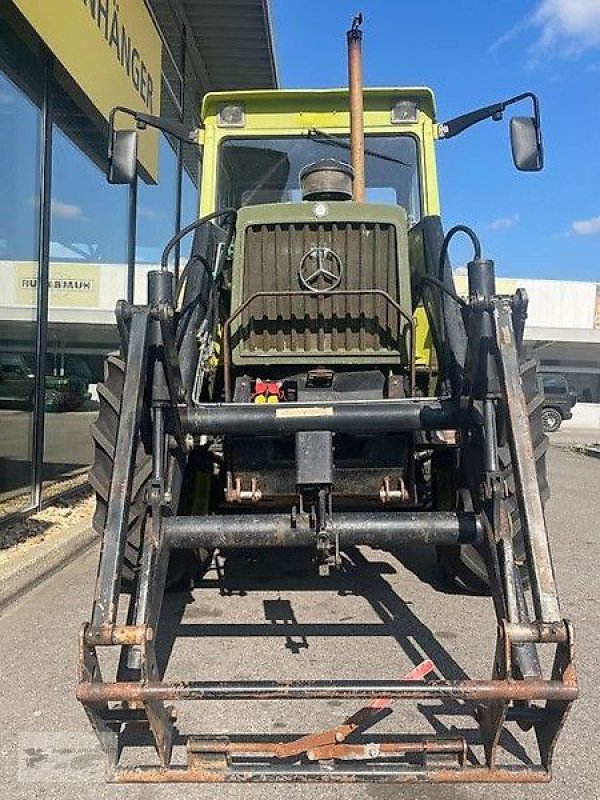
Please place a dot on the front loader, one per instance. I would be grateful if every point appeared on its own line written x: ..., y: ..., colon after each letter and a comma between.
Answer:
x: 312, y: 383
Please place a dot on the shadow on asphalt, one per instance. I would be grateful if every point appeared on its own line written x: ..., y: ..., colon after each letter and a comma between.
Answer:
x: 242, y: 573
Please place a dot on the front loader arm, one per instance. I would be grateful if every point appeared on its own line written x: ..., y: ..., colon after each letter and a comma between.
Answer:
x: 491, y: 402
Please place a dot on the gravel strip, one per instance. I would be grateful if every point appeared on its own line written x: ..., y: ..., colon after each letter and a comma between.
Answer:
x: 77, y: 506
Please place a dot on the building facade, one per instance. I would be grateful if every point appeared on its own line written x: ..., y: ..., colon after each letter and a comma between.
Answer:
x: 562, y: 330
x: 64, y: 255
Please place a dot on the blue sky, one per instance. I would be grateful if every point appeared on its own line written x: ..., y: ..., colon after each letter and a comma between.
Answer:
x: 473, y: 52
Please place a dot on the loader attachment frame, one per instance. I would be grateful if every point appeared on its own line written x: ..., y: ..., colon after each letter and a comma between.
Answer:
x: 517, y: 689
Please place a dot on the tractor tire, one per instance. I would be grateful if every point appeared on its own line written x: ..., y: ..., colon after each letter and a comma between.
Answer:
x: 104, y: 434
x: 464, y: 567
x: 184, y: 566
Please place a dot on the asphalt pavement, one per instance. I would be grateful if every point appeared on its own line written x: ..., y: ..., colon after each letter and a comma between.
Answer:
x: 386, y: 613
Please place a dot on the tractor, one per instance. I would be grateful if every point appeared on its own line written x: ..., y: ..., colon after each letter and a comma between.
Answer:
x: 311, y: 382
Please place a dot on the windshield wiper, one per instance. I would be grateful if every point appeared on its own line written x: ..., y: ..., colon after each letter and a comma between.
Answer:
x: 328, y: 138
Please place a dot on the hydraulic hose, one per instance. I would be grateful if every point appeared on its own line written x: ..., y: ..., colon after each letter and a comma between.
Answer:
x: 164, y: 261
x: 186, y: 314
x: 443, y: 288
x: 446, y: 244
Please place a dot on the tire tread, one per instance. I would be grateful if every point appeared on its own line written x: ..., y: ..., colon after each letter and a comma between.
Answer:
x: 104, y: 435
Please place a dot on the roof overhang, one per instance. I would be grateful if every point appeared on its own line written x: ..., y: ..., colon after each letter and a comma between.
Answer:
x: 229, y: 45
x: 235, y: 41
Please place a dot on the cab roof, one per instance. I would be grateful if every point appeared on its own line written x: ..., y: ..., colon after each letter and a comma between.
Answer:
x: 316, y: 101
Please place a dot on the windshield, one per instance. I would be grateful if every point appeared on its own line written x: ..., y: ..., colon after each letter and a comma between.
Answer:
x: 254, y: 171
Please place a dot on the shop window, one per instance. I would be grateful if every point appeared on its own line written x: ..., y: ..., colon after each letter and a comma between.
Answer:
x: 88, y: 274
x: 155, y: 216
x: 19, y: 162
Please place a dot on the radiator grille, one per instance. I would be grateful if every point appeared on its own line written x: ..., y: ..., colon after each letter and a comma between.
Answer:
x: 327, y: 324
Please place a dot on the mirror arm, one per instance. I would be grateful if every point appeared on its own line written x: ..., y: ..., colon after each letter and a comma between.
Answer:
x: 111, y: 127
x: 537, y: 121
x: 177, y: 130
x: 459, y: 124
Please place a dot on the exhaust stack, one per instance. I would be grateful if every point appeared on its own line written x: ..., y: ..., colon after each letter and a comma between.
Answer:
x: 355, y: 82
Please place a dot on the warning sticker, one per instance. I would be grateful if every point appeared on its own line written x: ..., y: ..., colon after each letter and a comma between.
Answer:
x: 310, y: 411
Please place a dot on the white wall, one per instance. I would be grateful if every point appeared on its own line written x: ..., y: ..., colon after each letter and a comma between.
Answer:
x: 585, y: 416
x: 560, y: 304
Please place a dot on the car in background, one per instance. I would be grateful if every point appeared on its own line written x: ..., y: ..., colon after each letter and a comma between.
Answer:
x: 17, y: 381
x: 559, y: 400
x: 66, y: 392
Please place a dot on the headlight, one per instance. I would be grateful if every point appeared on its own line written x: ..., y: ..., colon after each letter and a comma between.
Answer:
x: 404, y: 111
x: 231, y: 116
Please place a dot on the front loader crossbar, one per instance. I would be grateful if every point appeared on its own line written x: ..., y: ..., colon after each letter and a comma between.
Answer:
x: 371, y: 528
x: 375, y: 416
x: 368, y: 773
x: 468, y: 690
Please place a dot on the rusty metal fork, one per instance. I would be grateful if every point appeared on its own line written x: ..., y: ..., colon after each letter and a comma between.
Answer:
x: 327, y: 742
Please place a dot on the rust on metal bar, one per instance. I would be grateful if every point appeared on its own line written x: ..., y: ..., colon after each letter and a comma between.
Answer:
x: 543, y: 583
x: 369, y: 751
x: 366, y: 717
x: 222, y: 744
x: 210, y: 754
x: 482, y: 691
x: 107, y: 635
x: 492, y: 714
x: 315, y: 740
x: 314, y: 773
x: 355, y: 83
x: 548, y: 729
x: 538, y: 632
x: 89, y: 671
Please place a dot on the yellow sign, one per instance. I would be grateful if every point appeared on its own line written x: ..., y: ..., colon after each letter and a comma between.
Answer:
x: 506, y: 286
x: 111, y: 49
x: 69, y: 285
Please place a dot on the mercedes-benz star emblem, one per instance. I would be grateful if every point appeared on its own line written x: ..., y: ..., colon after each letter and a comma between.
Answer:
x: 320, y: 270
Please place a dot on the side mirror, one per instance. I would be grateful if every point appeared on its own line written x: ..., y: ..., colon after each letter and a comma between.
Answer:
x: 526, y: 144
x: 122, y: 157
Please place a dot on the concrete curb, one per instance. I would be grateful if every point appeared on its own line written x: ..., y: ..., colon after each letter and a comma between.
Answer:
x: 592, y: 450
x: 27, y: 567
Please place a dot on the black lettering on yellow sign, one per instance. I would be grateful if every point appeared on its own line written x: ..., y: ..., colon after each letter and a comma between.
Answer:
x: 60, y: 284
x: 105, y: 13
